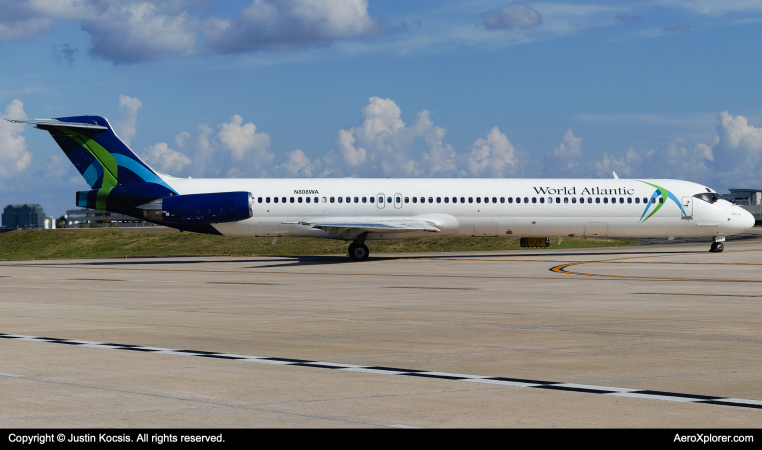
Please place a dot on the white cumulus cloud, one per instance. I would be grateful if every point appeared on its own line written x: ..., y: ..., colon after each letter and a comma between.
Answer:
x: 14, y: 156
x: 164, y: 158
x: 492, y: 157
x: 126, y: 125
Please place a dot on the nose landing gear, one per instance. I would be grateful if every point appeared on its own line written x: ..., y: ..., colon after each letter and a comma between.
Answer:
x: 717, y: 247
x: 358, y: 251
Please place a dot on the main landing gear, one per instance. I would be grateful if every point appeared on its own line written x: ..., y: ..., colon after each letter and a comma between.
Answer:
x: 717, y: 245
x: 358, y: 251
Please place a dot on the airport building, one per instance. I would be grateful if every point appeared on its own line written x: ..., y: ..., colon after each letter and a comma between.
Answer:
x: 85, y: 218
x: 748, y: 199
x: 23, y: 216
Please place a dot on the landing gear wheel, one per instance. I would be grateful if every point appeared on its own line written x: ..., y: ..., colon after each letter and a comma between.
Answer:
x: 358, y: 252
x: 717, y: 247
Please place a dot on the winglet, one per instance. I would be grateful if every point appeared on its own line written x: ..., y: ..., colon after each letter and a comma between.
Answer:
x: 616, y: 177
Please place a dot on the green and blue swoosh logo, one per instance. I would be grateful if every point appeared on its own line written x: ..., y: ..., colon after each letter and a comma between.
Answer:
x: 662, y: 193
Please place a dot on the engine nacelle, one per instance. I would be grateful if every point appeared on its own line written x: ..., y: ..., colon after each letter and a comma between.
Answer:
x: 219, y: 207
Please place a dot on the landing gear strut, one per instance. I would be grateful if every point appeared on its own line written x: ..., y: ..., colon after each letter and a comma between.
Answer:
x: 717, y: 247
x: 358, y: 251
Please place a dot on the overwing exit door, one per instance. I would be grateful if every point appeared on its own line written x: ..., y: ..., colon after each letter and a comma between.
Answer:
x: 380, y: 200
x: 398, y: 200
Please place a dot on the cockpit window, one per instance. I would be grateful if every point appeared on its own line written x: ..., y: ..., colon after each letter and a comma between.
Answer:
x: 708, y: 197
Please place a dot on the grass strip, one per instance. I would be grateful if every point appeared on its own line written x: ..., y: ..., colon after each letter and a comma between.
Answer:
x: 110, y: 243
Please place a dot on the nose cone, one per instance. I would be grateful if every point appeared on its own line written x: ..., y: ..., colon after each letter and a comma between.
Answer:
x: 748, y: 220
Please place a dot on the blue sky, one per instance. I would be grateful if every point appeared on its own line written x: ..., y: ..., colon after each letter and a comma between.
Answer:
x: 300, y: 88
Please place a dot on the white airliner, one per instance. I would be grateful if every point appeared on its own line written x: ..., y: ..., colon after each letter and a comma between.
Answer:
x: 358, y: 210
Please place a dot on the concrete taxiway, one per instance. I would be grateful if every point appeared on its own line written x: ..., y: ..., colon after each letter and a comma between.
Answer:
x: 657, y: 335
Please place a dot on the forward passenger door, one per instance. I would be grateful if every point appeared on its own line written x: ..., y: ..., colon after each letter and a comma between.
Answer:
x: 688, y: 206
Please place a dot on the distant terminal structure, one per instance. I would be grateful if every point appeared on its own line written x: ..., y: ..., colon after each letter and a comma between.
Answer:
x: 87, y: 218
x: 748, y: 199
x: 26, y: 216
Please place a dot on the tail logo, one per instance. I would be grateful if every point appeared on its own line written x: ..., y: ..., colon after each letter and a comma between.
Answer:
x: 663, y: 195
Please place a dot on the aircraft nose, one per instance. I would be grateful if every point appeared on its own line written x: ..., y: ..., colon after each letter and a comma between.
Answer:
x: 748, y: 220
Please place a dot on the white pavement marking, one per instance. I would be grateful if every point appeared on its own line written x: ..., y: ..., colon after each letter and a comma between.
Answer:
x: 587, y: 388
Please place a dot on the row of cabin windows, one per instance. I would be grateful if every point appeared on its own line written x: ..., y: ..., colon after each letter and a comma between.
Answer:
x: 455, y: 199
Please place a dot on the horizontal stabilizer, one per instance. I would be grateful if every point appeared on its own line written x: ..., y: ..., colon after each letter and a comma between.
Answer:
x: 55, y: 122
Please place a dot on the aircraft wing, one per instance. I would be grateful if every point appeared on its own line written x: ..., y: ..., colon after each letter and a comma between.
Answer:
x: 353, y: 227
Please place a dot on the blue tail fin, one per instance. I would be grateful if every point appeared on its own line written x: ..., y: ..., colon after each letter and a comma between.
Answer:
x: 105, y: 162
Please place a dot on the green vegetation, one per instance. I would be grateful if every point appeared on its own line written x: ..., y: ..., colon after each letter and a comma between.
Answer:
x: 110, y: 242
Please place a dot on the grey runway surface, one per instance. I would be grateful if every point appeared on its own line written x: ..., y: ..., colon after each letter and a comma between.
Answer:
x: 651, y: 336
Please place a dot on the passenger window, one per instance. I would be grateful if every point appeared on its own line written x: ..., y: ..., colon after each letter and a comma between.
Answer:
x: 317, y: 199
x: 439, y: 199
x: 518, y: 199
x: 283, y: 199
x: 267, y: 200
x: 502, y: 199
x: 470, y: 199
x: 415, y: 199
x: 494, y: 199
x: 629, y: 199
x: 621, y: 199
x: 308, y: 199
x: 447, y: 199
x: 275, y: 199
x: 661, y: 200
x: 590, y: 199
x: 478, y: 199
x: 292, y: 199
x: 372, y: 199
x: 566, y: 199
x: 299, y: 199
x: 333, y: 199
x: 365, y: 199
x: 605, y: 199
x: 357, y: 200
x: 259, y: 200
x: 423, y: 199
x: 431, y: 200
x: 455, y: 199
x: 558, y: 199
x: 550, y: 199
x: 510, y: 199
x: 542, y: 199
x: 341, y: 199
x: 407, y: 199
x: 534, y: 199
x: 526, y: 199
x: 597, y: 199
x: 574, y: 199
x: 637, y: 199
x: 463, y: 199
x: 324, y: 200
x: 398, y: 199
x: 613, y: 199
x: 486, y: 199
x: 653, y: 199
